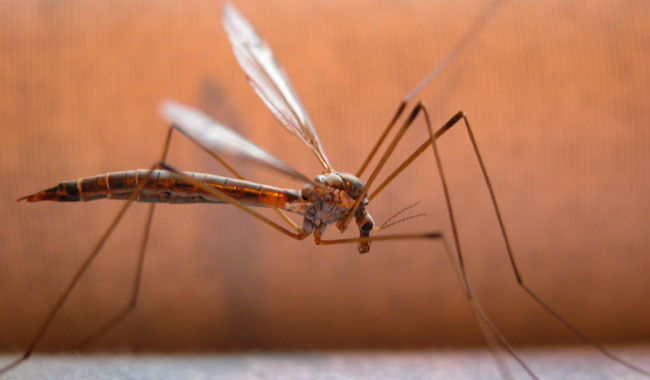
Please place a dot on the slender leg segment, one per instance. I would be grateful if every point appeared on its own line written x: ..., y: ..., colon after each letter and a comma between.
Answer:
x: 282, y: 214
x: 86, y: 264
x: 457, y: 260
x: 133, y: 299
x: 119, y: 316
x: 488, y: 328
x: 82, y: 269
x: 520, y: 280
x: 382, y: 161
x: 224, y: 197
x: 135, y: 290
x: 460, y: 264
x: 460, y: 46
x: 486, y: 324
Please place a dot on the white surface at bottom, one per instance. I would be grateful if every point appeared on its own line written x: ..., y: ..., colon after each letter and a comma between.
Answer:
x: 548, y: 363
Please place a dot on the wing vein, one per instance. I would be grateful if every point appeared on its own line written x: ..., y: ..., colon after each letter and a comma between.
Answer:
x: 270, y: 82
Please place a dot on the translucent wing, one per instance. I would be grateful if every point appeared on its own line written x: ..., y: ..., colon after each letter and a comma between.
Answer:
x: 270, y: 82
x: 219, y: 138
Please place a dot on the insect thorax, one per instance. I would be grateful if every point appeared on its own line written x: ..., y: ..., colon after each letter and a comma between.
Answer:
x: 331, y: 200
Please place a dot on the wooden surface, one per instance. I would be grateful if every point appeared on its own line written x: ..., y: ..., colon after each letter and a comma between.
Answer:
x: 567, y: 363
x: 558, y: 96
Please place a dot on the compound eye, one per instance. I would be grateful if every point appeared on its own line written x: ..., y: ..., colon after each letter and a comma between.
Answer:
x: 353, y: 191
x: 365, y: 224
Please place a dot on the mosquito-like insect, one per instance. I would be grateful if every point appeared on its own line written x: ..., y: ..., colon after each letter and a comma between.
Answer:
x: 331, y: 198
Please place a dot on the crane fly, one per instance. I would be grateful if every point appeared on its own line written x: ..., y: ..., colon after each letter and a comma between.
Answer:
x: 331, y: 198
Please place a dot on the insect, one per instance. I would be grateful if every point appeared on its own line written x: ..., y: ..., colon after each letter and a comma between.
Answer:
x: 335, y: 199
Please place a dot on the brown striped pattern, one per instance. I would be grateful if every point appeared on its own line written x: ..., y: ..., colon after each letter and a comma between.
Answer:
x: 164, y: 187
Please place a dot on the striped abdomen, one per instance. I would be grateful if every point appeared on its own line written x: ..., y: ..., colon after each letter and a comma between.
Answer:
x: 165, y: 187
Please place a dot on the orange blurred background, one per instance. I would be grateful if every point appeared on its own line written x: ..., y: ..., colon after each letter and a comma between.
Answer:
x: 557, y: 93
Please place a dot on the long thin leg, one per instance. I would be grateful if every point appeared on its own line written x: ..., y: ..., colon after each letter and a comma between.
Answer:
x: 82, y: 269
x: 382, y: 137
x: 423, y: 147
x: 486, y: 324
x: 130, y: 306
x: 460, y: 46
x: 282, y: 215
x: 133, y: 299
x: 434, y: 136
x: 520, y: 280
x: 460, y: 266
x: 382, y: 161
x: 135, y: 289
x: 226, y: 198
x: 457, y: 259
x: 119, y: 316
